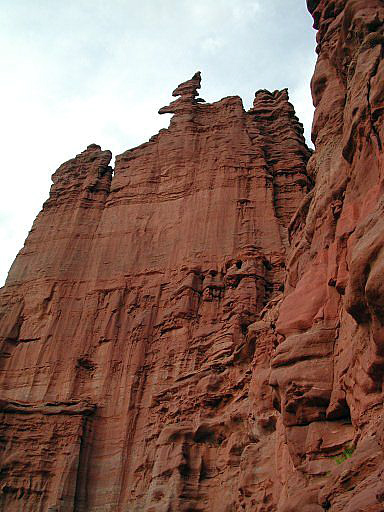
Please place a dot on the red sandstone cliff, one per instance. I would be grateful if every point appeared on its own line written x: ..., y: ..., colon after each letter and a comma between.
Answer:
x: 203, y: 331
x: 327, y: 371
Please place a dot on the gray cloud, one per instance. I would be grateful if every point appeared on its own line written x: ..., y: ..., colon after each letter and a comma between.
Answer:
x: 85, y: 71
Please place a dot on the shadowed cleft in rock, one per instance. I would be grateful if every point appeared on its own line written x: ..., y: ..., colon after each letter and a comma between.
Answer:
x: 204, y: 330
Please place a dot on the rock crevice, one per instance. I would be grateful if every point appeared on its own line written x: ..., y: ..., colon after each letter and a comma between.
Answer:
x: 204, y: 329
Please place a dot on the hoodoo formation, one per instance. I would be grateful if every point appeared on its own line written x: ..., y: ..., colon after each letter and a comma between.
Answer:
x: 202, y: 327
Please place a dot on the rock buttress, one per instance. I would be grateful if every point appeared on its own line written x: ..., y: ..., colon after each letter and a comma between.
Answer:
x: 138, y: 300
x: 327, y: 371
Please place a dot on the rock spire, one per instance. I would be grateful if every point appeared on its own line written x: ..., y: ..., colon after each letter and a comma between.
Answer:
x: 187, y: 92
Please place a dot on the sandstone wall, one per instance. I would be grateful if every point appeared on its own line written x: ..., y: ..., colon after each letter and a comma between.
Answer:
x: 203, y: 330
x: 135, y: 295
x: 327, y: 371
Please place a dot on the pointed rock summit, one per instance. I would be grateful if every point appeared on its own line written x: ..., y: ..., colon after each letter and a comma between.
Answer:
x: 187, y: 92
x: 202, y: 327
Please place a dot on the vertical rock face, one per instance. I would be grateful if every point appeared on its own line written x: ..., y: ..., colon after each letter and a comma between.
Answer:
x: 203, y: 331
x: 327, y: 372
x: 126, y: 361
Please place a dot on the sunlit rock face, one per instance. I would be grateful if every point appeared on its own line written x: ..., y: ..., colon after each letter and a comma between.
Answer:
x: 201, y: 328
x: 130, y: 321
x: 327, y: 371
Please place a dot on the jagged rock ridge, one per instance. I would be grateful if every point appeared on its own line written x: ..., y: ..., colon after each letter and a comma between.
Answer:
x: 203, y: 330
x: 327, y: 372
x: 135, y: 294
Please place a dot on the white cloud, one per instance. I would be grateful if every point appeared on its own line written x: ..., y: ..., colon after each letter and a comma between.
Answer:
x: 300, y: 96
x: 212, y: 44
x: 245, y: 11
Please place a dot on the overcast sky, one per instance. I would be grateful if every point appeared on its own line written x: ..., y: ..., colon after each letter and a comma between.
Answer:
x: 77, y: 72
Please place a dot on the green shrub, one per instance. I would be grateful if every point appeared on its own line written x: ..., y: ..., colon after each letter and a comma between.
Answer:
x: 346, y: 454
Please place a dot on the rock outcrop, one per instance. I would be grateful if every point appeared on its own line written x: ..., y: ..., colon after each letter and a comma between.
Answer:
x: 203, y: 330
x: 327, y: 371
x: 135, y: 295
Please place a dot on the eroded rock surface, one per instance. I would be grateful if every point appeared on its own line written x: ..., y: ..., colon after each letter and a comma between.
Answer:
x: 203, y: 331
x: 327, y: 371
x: 135, y: 295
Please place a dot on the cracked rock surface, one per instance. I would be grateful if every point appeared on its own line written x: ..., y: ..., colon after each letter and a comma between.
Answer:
x: 201, y: 328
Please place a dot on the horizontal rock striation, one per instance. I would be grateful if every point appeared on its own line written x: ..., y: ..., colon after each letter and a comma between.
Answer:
x: 203, y: 330
x: 135, y: 294
x: 327, y: 371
